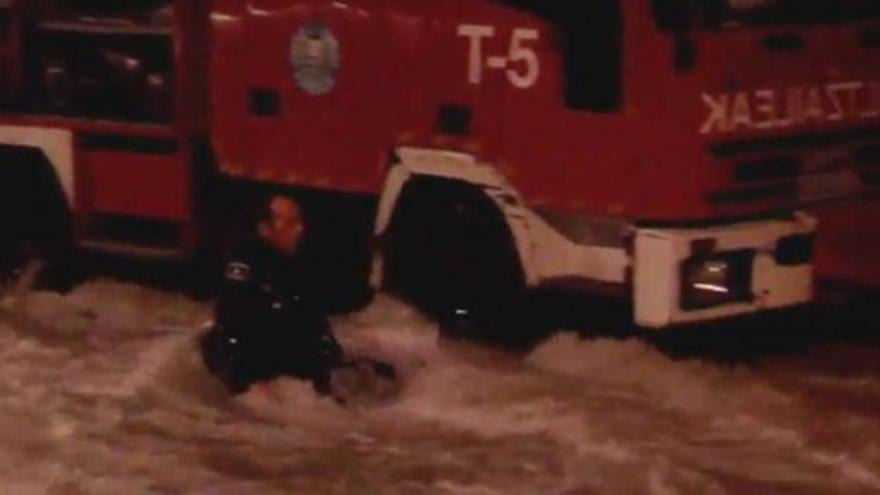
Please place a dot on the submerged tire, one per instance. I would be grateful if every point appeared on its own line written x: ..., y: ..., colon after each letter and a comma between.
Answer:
x: 449, y: 251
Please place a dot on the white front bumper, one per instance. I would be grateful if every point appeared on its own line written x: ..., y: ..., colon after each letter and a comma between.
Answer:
x: 659, y: 254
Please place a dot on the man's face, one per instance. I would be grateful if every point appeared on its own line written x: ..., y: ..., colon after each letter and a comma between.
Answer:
x: 284, y: 228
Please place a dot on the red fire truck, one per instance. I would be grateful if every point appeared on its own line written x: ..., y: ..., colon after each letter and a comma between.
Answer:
x: 456, y: 151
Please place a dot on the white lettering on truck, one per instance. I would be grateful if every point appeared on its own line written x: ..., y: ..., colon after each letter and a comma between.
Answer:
x: 520, y: 63
x: 794, y: 106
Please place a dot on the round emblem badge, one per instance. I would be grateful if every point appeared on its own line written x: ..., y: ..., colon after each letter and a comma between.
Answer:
x: 314, y: 55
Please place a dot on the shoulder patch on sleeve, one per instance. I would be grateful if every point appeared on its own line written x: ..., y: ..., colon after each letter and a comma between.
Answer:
x: 238, y: 271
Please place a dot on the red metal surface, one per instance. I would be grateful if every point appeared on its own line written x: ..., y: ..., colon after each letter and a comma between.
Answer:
x: 401, y: 60
x: 135, y: 184
x: 848, y: 249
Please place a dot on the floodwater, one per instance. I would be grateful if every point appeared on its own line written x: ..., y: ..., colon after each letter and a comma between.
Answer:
x: 102, y: 392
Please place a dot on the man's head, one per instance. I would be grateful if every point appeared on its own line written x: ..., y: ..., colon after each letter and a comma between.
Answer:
x: 281, y: 223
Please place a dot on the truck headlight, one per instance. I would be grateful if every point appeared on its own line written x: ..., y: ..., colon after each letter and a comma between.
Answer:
x: 716, y: 279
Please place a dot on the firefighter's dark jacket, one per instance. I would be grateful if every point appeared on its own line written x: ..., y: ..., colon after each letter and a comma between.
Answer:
x: 259, y: 281
x: 267, y: 305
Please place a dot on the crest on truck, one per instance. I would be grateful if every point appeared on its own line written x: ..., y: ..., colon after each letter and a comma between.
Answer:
x: 314, y: 56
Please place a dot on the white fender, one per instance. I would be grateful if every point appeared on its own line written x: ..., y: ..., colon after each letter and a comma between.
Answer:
x: 544, y: 253
x: 456, y: 166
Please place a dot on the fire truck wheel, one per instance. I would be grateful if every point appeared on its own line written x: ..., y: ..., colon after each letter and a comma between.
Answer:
x: 34, y: 217
x: 449, y: 251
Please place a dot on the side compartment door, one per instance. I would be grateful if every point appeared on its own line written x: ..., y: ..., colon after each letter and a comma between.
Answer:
x: 319, y: 93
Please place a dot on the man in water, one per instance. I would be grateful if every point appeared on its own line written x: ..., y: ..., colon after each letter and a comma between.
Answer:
x: 267, y: 321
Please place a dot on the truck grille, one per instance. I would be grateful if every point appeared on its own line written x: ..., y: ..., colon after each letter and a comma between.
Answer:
x: 810, y: 175
x: 868, y: 156
x: 867, y: 160
x: 797, y: 143
x: 785, y: 192
x: 772, y: 169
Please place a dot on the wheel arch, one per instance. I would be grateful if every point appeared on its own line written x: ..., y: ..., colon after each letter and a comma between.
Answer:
x: 56, y: 147
x: 419, y: 163
x: 36, y: 203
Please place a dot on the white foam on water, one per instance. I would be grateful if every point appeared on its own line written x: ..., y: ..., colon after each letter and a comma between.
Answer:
x: 103, y: 391
x: 849, y: 469
x: 391, y: 331
x: 636, y: 367
x: 453, y: 488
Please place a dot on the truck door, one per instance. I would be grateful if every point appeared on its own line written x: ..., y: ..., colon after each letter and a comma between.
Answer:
x: 318, y: 93
x: 478, y: 80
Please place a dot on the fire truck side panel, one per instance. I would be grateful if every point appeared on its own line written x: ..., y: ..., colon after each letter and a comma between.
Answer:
x: 155, y: 185
x: 227, y: 90
x: 271, y: 130
x: 406, y: 69
x: 192, y: 55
